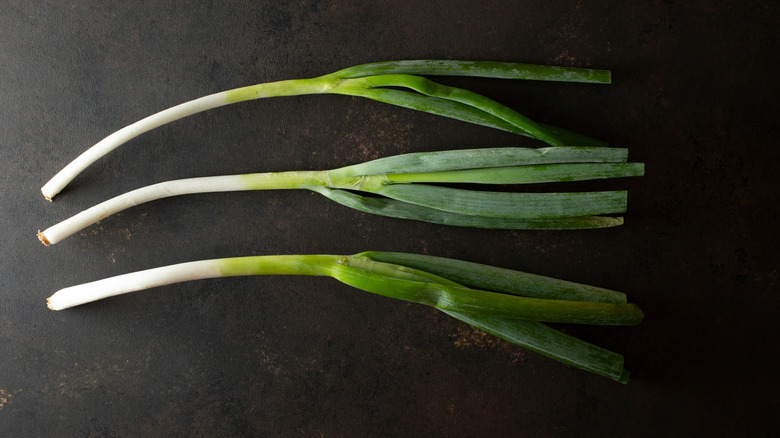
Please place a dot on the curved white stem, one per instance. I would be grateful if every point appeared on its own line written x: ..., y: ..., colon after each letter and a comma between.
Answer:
x: 166, y: 189
x: 66, y: 175
x: 135, y: 281
x: 317, y: 265
x: 209, y: 184
x: 291, y: 87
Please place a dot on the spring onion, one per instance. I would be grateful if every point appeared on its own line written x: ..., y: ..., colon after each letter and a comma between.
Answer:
x: 402, y: 188
x: 509, y: 304
x: 395, y: 83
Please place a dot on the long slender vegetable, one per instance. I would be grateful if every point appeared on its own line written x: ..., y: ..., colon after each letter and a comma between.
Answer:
x: 509, y: 304
x: 403, y: 182
x: 393, y: 82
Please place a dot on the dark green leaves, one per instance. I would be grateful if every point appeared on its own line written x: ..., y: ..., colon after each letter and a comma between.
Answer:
x: 402, y: 210
x: 486, y: 303
x: 508, y: 205
x: 487, y: 69
x: 539, y: 173
x: 499, y: 279
x: 440, y: 161
x: 385, y: 82
x: 549, y: 342
x: 397, y: 180
x: 496, y: 300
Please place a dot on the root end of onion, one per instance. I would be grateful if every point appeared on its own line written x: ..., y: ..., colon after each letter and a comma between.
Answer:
x: 43, y: 238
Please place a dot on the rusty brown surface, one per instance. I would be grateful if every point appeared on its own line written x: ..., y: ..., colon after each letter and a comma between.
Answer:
x: 694, y: 96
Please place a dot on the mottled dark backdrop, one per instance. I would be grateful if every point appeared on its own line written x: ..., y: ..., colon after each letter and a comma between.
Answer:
x: 694, y: 96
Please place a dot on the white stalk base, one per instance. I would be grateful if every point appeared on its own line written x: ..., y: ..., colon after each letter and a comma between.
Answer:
x: 66, y: 175
x: 166, y: 189
x: 135, y: 281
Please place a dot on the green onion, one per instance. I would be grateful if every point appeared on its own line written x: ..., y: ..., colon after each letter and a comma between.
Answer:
x: 400, y: 187
x: 509, y: 304
x: 395, y: 83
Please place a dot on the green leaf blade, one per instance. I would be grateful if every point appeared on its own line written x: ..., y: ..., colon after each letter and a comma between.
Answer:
x: 508, y: 205
x: 460, y: 111
x: 538, y: 173
x: 433, y: 105
x: 432, y: 89
x: 486, y: 69
x: 486, y: 303
x: 549, y: 342
x: 402, y: 210
x: 499, y: 279
x: 439, y: 161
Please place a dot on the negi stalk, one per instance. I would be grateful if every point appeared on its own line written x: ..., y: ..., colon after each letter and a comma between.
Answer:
x: 385, y: 82
x: 508, y: 311
x: 404, y: 183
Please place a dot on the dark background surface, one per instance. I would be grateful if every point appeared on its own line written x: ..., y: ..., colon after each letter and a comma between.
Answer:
x: 694, y: 96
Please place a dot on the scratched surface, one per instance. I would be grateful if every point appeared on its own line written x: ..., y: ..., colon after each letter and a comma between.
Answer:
x: 694, y: 96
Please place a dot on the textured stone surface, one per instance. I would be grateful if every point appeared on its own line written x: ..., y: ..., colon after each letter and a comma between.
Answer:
x: 694, y: 96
